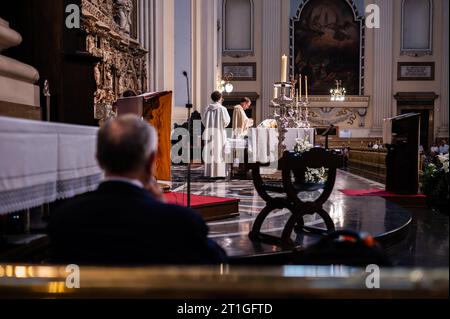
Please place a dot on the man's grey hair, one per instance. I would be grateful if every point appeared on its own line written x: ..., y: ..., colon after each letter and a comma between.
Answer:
x: 125, y: 144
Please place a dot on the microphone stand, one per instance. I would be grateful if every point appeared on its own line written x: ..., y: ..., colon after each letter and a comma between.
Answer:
x: 189, y: 107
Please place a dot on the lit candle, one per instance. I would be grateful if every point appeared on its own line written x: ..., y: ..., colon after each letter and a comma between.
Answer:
x: 284, y: 68
x: 306, y: 85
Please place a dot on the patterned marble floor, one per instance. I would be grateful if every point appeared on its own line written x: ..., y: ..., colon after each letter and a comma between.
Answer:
x: 370, y: 214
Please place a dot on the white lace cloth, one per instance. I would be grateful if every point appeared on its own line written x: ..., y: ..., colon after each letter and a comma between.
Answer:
x: 42, y: 162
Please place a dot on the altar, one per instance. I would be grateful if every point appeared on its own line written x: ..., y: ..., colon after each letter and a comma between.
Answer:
x: 43, y: 162
x: 263, y: 143
x: 285, y: 144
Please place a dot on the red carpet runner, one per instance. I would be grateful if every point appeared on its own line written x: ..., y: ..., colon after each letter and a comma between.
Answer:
x: 211, y: 208
x: 196, y: 200
x: 376, y: 192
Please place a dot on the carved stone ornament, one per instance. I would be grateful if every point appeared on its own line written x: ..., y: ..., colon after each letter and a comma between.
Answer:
x: 352, y: 112
x: 123, y: 61
x: 325, y: 117
x: 124, y: 10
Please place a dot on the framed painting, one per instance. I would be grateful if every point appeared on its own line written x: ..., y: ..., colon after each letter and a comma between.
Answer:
x: 327, y: 45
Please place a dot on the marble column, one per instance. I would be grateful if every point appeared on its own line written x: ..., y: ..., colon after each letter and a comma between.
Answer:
x: 275, y: 43
x: 383, y: 101
x: 271, y: 52
x: 443, y: 110
x: 205, y: 58
x: 156, y: 34
x: 145, y: 26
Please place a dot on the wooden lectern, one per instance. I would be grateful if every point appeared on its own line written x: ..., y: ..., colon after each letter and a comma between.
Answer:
x: 156, y: 109
x: 401, y: 137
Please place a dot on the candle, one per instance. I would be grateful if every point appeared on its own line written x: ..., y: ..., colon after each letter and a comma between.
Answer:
x: 300, y: 85
x: 284, y: 68
x: 275, y: 93
x: 306, y: 85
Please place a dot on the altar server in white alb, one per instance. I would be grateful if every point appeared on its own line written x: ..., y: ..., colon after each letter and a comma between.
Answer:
x: 215, y: 119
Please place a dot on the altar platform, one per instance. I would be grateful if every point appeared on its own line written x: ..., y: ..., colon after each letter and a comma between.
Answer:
x: 211, y: 208
x: 392, y: 225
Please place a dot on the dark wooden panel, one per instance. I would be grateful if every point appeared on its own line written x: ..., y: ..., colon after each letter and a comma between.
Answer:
x: 368, y: 163
x: 20, y: 111
x: 57, y: 53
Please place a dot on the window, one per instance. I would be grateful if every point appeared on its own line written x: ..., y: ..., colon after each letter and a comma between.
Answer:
x: 238, y: 27
x: 417, y: 22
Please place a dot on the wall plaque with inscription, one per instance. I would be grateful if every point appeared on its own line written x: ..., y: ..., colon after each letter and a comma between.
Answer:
x: 416, y: 71
x: 240, y: 71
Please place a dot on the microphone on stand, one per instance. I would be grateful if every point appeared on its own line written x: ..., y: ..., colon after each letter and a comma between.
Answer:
x: 188, y: 107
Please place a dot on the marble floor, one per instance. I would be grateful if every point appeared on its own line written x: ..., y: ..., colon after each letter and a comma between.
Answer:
x: 423, y: 244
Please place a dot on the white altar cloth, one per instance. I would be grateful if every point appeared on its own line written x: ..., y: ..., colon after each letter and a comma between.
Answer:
x: 263, y: 142
x: 42, y: 162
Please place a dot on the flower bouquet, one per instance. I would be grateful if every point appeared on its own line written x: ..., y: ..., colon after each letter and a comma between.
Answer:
x: 314, y: 178
x: 434, y: 183
x: 302, y: 145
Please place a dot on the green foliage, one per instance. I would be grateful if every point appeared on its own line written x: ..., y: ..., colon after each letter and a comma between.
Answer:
x: 435, y: 184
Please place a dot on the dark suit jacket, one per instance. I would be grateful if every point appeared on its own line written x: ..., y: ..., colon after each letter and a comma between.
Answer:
x: 121, y: 224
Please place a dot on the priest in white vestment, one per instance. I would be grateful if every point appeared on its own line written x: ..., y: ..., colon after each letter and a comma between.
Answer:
x: 241, y: 122
x: 215, y: 119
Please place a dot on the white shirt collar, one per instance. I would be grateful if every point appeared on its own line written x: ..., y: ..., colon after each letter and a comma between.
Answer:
x: 130, y: 181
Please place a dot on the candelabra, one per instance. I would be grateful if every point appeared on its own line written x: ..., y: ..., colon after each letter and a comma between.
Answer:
x: 293, y: 112
x: 304, y: 122
x: 289, y: 112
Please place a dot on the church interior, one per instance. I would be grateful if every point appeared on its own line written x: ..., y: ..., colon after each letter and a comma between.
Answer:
x: 224, y: 149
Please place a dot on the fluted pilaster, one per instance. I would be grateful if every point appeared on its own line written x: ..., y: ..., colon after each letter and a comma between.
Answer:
x: 205, y: 55
x: 383, y: 67
x: 271, y: 51
x: 443, y: 111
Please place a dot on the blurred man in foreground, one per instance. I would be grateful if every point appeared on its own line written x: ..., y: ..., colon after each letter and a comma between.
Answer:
x: 125, y: 221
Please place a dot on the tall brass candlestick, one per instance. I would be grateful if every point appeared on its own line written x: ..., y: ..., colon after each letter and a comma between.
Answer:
x: 306, y: 84
x: 300, y: 80
x: 293, y: 86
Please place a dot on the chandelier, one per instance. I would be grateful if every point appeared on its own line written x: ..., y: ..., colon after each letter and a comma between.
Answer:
x: 225, y: 84
x: 338, y: 93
